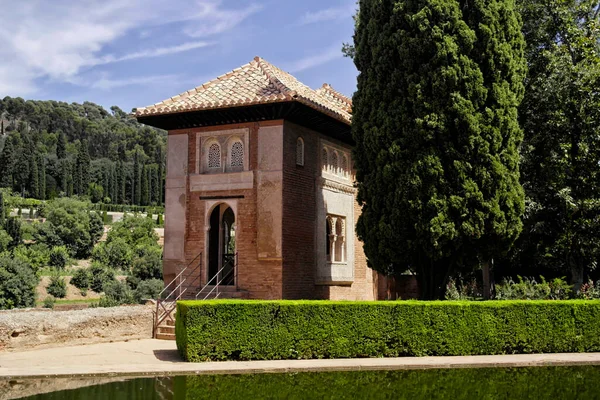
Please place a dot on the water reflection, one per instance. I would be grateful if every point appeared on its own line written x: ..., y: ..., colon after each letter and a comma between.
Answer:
x: 484, y: 383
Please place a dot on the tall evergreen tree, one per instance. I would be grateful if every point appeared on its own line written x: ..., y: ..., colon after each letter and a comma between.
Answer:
x: 61, y: 146
x: 145, y: 187
x: 2, y: 211
x: 82, y: 169
x: 435, y: 125
x: 560, y: 116
x: 136, y: 181
x: 7, y: 161
x: 42, y: 179
x: 34, y: 178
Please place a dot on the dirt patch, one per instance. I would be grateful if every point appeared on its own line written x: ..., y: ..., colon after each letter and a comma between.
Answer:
x: 72, y: 292
x: 21, y: 330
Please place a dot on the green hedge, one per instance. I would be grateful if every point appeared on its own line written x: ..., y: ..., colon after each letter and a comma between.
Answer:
x: 271, y: 330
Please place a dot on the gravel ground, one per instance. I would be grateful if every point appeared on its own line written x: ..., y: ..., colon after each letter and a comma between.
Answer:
x: 27, y: 329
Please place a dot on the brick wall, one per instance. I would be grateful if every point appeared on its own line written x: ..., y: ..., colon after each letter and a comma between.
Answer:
x: 299, y: 213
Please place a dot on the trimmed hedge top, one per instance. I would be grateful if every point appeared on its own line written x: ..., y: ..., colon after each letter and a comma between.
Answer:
x: 287, y: 329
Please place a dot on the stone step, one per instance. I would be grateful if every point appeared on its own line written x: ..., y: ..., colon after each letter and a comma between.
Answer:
x: 165, y: 336
x: 166, y: 329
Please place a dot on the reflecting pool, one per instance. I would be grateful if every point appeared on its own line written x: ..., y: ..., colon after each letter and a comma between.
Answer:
x: 483, y: 383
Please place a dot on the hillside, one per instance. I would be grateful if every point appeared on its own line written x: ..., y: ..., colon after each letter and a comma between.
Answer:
x: 50, y: 149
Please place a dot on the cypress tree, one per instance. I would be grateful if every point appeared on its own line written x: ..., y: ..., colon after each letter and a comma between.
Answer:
x: 34, y: 183
x: 145, y: 187
x: 136, y: 181
x: 42, y: 179
x: 2, y: 211
x: 436, y: 132
x: 61, y: 146
x: 7, y: 161
x: 120, y: 183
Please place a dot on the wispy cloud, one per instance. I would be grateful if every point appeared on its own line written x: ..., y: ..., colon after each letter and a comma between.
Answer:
x: 59, y: 40
x: 305, y: 63
x: 328, y: 14
x: 157, y: 52
x: 220, y: 20
x: 108, y: 84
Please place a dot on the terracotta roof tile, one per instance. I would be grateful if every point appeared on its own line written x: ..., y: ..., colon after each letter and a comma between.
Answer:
x: 257, y: 82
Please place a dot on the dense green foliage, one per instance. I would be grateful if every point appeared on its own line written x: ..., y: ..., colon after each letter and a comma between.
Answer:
x: 69, y: 223
x: 255, y: 330
x: 560, y: 115
x: 17, y: 283
x: 59, y: 257
x: 59, y: 149
x: 57, y: 287
x: 148, y: 289
x: 435, y: 125
x: 421, y: 384
x: 521, y: 289
x: 81, y: 279
x: 101, y: 276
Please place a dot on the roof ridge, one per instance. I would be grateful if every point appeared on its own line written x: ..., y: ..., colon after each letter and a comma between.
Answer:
x: 268, y: 69
x: 337, y: 94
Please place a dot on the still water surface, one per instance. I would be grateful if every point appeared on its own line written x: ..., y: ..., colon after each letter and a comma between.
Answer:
x: 484, y: 383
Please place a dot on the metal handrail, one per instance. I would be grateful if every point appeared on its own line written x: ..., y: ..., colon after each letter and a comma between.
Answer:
x: 167, y: 304
x: 219, y: 282
x: 178, y: 276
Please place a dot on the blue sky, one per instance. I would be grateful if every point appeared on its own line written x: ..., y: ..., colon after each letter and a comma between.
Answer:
x: 133, y: 53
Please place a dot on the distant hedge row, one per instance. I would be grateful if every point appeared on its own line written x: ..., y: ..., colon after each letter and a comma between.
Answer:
x: 271, y: 330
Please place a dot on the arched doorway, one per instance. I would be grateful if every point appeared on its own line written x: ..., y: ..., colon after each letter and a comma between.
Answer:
x: 221, y: 246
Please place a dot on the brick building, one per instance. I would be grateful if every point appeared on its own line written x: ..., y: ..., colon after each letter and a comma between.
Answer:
x: 259, y: 188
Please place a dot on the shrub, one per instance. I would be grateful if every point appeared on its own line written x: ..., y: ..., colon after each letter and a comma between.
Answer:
x: 268, y: 330
x: 82, y: 279
x: 101, y: 275
x: 147, y: 264
x: 59, y: 257
x: 118, y: 292
x: 134, y: 230
x: 590, y: 291
x: 530, y: 289
x: 149, y: 289
x: 57, y: 286
x: 70, y: 223
x: 5, y: 240
x: 17, y: 283
x: 37, y: 255
x: 116, y: 254
x: 49, y: 302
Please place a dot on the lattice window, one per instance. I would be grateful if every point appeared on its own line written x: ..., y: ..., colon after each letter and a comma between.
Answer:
x: 299, y: 151
x: 214, y: 156
x: 334, y: 162
x: 324, y: 159
x: 344, y: 166
x: 237, y: 155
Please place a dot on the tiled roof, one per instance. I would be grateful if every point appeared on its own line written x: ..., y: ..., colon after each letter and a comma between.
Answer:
x: 257, y: 82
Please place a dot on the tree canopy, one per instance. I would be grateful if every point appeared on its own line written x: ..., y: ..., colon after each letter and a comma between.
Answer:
x: 435, y: 123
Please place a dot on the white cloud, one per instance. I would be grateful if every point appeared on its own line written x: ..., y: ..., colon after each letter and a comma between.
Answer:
x: 57, y: 40
x: 108, y: 84
x: 157, y: 52
x: 305, y: 63
x: 328, y: 14
x: 220, y: 20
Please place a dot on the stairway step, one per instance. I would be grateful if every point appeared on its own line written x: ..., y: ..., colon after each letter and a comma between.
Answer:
x: 166, y: 329
x: 165, y: 336
x: 170, y: 322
